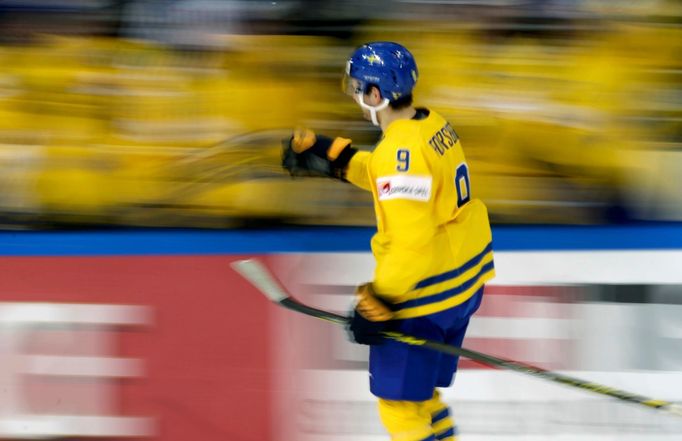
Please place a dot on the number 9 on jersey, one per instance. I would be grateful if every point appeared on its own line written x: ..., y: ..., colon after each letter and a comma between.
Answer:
x: 403, y: 158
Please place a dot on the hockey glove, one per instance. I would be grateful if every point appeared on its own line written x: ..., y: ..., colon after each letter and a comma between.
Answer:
x: 371, y: 317
x: 307, y: 154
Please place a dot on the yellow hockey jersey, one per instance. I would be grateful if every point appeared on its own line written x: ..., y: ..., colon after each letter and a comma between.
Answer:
x: 433, y: 246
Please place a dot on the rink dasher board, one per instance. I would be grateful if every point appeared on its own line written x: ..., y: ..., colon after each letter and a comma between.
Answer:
x: 494, y: 385
x: 488, y: 405
x: 520, y: 267
x: 328, y: 282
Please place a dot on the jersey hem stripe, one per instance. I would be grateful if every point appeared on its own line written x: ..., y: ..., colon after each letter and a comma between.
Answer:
x: 451, y: 274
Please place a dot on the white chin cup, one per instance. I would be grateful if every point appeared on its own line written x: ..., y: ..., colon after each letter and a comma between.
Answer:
x: 372, y: 109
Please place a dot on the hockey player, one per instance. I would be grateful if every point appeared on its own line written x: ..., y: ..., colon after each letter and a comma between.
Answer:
x: 433, y: 247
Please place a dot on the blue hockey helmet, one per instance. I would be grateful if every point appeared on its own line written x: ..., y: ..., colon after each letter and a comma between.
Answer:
x: 387, y: 65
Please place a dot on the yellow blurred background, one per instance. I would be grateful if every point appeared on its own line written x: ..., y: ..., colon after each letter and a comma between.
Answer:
x: 570, y: 113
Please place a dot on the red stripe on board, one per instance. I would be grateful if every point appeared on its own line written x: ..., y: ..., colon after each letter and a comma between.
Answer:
x: 544, y: 353
x: 555, y: 292
x: 206, y: 356
x: 526, y: 301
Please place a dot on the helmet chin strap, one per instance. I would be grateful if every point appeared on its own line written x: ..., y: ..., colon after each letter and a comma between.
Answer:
x: 372, y: 109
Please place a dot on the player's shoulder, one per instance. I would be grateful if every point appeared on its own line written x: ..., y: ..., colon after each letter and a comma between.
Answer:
x: 406, y: 129
x: 417, y: 131
x: 424, y: 123
x: 434, y: 121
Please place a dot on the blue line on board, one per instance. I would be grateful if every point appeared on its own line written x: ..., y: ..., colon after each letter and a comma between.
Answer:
x: 320, y: 239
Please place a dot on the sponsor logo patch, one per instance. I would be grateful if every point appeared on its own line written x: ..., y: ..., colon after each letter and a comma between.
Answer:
x: 416, y: 188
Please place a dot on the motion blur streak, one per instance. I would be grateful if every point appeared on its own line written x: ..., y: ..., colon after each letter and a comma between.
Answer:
x: 146, y: 112
x: 43, y: 342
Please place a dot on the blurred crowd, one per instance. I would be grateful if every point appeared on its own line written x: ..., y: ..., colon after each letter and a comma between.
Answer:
x: 171, y: 113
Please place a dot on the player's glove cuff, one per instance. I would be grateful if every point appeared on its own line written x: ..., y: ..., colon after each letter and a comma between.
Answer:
x: 370, y: 306
x: 308, y: 154
x: 371, y: 317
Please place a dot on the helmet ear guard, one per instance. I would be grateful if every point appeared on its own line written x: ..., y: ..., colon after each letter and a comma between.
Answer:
x: 357, y: 90
x: 360, y: 98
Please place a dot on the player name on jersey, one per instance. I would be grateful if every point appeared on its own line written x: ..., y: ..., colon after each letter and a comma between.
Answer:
x: 443, y: 139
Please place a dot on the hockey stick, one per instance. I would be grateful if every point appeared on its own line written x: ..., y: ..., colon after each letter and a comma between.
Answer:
x: 256, y: 273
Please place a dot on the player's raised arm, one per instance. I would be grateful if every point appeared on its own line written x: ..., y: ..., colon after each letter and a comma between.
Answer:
x: 309, y: 154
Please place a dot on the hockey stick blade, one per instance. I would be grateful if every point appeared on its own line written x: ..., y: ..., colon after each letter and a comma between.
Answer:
x: 254, y: 271
x: 259, y: 276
